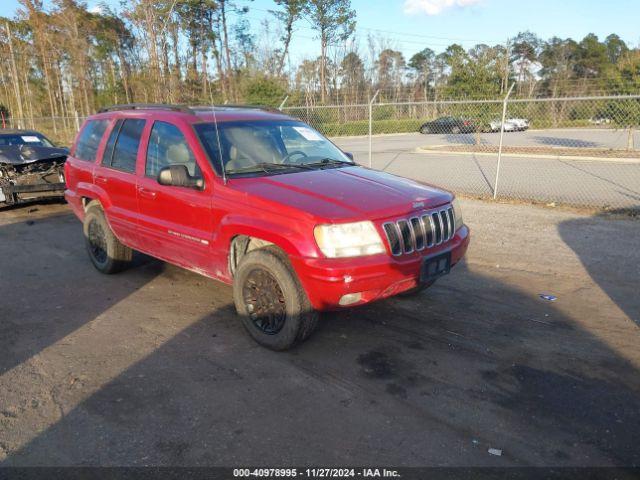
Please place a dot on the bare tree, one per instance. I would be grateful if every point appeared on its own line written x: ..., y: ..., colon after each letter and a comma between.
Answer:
x: 291, y: 12
x: 335, y: 21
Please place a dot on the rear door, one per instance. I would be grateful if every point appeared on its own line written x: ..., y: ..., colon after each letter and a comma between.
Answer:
x: 176, y: 222
x: 81, y: 160
x: 117, y: 176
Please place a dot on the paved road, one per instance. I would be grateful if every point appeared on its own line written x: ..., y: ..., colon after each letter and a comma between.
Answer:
x: 577, y: 182
x: 152, y: 367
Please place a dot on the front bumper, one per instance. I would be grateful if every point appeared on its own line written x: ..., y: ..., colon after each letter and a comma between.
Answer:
x: 327, y: 280
x: 18, y: 193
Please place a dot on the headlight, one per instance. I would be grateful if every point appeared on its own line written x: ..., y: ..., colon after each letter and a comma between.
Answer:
x: 348, y: 239
x: 457, y: 213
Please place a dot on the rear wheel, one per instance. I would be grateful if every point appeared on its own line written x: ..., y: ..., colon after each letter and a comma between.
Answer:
x: 272, y: 304
x: 425, y: 129
x: 106, y: 252
x: 455, y: 129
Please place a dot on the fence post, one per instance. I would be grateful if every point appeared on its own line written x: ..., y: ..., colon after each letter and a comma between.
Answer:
x: 504, y: 115
x: 283, y: 102
x: 371, y: 123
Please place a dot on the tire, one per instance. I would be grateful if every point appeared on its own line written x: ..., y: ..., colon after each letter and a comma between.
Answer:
x: 412, y: 292
x: 266, y: 281
x: 105, y: 251
x: 455, y: 130
x: 425, y: 129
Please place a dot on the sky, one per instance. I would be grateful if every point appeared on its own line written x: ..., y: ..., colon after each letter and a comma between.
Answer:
x: 411, y: 25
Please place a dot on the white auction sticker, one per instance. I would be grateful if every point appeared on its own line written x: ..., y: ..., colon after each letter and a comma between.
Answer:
x: 308, y: 134
x: 30, y: 139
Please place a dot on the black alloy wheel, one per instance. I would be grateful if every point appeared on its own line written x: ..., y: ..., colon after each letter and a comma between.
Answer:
x: 264, y: 301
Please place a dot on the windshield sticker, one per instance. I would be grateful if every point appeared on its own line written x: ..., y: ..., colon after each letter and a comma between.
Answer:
x: 308, y: 134
x: 30, y: 139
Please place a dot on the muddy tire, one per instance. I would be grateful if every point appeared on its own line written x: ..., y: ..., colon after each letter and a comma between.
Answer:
x: 270, y: 301
x: 106, y: 252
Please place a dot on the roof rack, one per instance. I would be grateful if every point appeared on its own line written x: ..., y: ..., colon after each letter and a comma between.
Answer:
x: 147, y: 106
x: 233, y: 107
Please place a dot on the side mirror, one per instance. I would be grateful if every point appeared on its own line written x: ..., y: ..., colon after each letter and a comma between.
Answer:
x: 349, y: 154
x: 178, y: 176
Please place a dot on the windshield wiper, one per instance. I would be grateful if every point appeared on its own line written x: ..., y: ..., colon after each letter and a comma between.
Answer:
x: 268, y: 167
x: 328, y: 161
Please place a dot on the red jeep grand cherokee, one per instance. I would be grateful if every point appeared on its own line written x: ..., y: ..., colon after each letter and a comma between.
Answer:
x: 259, y: 200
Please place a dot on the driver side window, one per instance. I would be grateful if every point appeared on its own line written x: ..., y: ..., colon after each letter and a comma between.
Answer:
x: 167, y: 146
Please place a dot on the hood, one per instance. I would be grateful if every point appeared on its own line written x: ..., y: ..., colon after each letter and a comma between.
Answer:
x: 344, y: 193
x: 24, y: 154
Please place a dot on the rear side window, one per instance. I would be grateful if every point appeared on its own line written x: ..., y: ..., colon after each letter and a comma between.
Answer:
x: 108, y: 150
x: 167, y: 146
x: 122, y: 147
x: 89, y: 139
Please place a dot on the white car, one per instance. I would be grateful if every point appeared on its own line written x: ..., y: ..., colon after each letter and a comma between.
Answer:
x: 600, y: 120
x: 520, y: 123
x: 509, y: 126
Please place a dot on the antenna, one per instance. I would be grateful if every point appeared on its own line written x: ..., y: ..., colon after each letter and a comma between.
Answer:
x: 215, y: 123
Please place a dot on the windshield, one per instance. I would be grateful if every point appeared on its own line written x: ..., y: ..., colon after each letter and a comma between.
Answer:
x: 268, y: 147
x: 30, y: 138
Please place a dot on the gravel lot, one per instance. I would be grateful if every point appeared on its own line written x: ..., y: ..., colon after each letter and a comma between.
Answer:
x: 151, y: 367
x: 589, y: 183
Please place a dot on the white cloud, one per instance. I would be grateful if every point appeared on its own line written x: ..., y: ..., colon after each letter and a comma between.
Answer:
x: 96, y: 9
x: 435, y: 7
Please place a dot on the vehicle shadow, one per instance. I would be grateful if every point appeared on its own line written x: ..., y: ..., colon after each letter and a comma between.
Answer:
x: 587, y: 236
x: 465, y: 139
x: 49, y: 286
x: 566, y: 142
x: 470, y: 364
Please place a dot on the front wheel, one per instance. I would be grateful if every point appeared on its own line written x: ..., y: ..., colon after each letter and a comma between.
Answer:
x: 425, y: 129
x: 455, y: 130
x: 272, y: 304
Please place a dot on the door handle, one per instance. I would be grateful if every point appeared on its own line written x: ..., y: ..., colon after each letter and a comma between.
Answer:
x: 103, y: 180
x: 144, y: 192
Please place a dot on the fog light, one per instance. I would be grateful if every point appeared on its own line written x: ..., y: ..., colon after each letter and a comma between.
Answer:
x: 350, y: 298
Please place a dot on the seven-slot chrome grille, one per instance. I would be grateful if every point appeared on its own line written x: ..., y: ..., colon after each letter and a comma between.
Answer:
x: 422, y: 231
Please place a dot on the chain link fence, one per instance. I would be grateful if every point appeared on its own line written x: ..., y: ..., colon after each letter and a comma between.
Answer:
x: 581, y: 151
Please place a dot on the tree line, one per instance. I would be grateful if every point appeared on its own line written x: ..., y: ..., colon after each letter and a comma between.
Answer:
x: 67, y: 60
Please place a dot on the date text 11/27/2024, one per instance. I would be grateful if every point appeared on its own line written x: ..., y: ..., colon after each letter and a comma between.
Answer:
x: 316, y: 472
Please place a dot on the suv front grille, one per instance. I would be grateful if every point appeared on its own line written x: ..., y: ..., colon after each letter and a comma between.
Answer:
x: 426, y: 230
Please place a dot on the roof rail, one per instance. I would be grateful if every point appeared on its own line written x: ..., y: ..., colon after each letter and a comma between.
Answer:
x: 147, y: 106
x: 227, y: 106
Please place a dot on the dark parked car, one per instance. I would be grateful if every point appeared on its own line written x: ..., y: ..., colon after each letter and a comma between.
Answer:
x: 31, y: 167
x: 448, y: 125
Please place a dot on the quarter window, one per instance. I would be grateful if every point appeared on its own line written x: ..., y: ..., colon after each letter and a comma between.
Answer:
x: 124, y: 152
x: 167, y: 146
x: 89, y: 140
x: 108, y: 150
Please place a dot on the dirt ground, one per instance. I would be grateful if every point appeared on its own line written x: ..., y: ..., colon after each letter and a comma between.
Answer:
x: 151, y: 366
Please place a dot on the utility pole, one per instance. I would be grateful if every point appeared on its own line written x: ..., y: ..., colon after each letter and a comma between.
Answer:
x: 371, y: 123
x: 504, y: 115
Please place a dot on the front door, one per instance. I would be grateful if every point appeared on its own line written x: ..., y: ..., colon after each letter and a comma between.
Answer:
x: 175, y: 221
